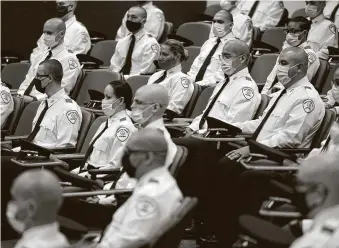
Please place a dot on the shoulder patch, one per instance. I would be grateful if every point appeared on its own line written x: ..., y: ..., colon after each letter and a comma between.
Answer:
x: 311, y: 57
x: 249, y: 24
x: 5, y: 96
x: 308, y: 105
x: 122, y: 133
x: 333, y: 28
x: 69, y: 100
x: 185, y: 82
x: 160, y: 16
x: 146, y: 207
x: 72, y: 63
x: 248, y: 92
x: 84, y: 37
x: 72, y: 116
x: 155, y: 48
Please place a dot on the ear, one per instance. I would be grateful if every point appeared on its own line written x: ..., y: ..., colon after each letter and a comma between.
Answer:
x: 150, y: 157
x: 143, y: 21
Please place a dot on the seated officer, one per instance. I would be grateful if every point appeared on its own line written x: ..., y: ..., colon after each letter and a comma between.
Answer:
x: 179, y: 87
x: 332, y: 98
x: 32, y: 212
x: 291, y: 120
x: 155, y: 197
x: 331, y: 12
x: 323, y: 33
x: 135, y: 53
x: 54, y: 33
x: 154, y: 25
x: 206, y: 69
x: 296, y: 36
x: 6, y: 103
x: 76, y: 38
x: 243, y: 26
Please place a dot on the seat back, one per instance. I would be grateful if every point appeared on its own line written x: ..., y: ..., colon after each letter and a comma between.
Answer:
x: 190, y: 105
x: 14, y: 74
x: 178, y: 161
x: 168, y: 28
x: 256, y: 33
x: 96, y: 80
x: 284, y: 19
x: 197, y: 32
x: 76, y: 89
x: 202, y: 101
x: 137, y: 81
x: 104, y: 51
x: 193, y: 52
x: 263, y: 105
x: 274, y: 36
x: 320, y: 77
x: 299, y: 12
x: 91, y: 132
x: 96, y: 36
x: 13, y: 118
x: 324, y: 129
x: 212, y: 10
x: 24, y: 126
x: 87, y: 119
x: 262, y: 67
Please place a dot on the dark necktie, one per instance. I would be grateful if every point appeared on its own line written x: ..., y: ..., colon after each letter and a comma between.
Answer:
x: 30, y: 86
x: 91, y: 146
x: 210, y: 106
x: 37, y: 124
x: 126, y: 69
x: 202, y: 70
x: 262, y: 123
x: 332, y: 18
x: 160, y: 79
x: 253, y: 9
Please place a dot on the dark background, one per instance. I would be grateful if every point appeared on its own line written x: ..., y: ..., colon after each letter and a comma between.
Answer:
x: 22, y: 21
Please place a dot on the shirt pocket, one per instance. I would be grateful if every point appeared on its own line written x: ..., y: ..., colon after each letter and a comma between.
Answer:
x: 277, y: 118
x: 47, y: 129
x: 101, y: 151
x: 138, y: 53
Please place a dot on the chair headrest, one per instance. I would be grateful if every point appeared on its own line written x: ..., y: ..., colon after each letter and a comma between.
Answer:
x: 215, y: 123
x: 95, y: 99
x: 264, y: 47
x: 89, y: 62
x: 203, y: 17
x: 333, y: 51
x: 186, y: 42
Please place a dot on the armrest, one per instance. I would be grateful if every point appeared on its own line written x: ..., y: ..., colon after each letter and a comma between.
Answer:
x: 104, y: 171
x: 51, y: 162
x: 295, y: 150
x: 66, y: 149
x: 12, y: 137
x: 98, y: 192
x: 286, y: 165
x: 71, y: 156
x: 200, y: 137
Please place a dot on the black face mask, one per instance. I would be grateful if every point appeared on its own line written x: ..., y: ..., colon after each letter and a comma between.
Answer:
x: 133, y: 26
x: 128, y: 167
x: 62, y: 10
x: 38, y: 86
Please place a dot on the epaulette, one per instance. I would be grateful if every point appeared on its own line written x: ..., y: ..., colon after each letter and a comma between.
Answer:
x: 69, y: 100
x: 152, y: 180
x: 123, y: 119
x: 248, y: 78
x: 69, y: 50
x: 307, y: 87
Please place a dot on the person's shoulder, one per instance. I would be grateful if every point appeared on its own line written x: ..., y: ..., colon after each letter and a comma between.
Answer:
x: 80, y: 26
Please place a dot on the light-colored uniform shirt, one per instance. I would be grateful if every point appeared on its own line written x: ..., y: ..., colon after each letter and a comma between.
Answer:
x: 238, y: 101
x: 332, y: 148
x: 76, y: 39
x: 213, y: 73
x: 313, y: 65
x: 42, y: 237
x: 328, y: 10
x: 154, y: 199
x: 146, y: 50
x: 70, y: 65
x: 6, y: 104
x: 267, y: 14
x: 61, y: 123
x: 323, y: 33
x: 324, y: 232
x: 179, y: 87
x: 333, y: 97
x: 154, y: 25
x: 242, y: 28
x: 294, y: 120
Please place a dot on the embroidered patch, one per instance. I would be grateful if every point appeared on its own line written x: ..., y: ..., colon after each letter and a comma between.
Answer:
x: 145, y: 207
x: 160, y: 16
x: 5, y: 96
x: 308, y: 105
x: 185, y: 82
x: 247, y: 92
x: 249, y: 24
x: 84, y: 37
x: 122, y: 133
x: 155, y: 48
x: 72, y: 64
x: 311, y: 57
x: 72, y: 116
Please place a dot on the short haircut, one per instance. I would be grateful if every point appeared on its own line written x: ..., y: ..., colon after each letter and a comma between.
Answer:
x: 177, y: 47
x: 53, y: 68
x: 144, y: 12
x: 228, y: 14
x: 123, y: 89
x: 304, y: 23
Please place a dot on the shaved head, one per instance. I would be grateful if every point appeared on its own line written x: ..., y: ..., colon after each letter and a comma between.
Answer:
x: 224, y: 15
x: 55, y: 25
x: 236, y: 47
x: 153, y: 93
x: 295, y: 54
x: 138, y: 11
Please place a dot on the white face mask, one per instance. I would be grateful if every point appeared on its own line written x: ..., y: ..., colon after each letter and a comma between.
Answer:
x: 293, y: 40
x: 227, y: 65
x: 283, y: 74
x: 11, y: 212
x: 107, y: 106
x: 219, y: 29
x: 335, y: 93
x: 137, y: 115
x: 50, y: 40
x: 311, y: 11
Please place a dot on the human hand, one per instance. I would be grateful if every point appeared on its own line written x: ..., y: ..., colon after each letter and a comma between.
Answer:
x: 238, y: 154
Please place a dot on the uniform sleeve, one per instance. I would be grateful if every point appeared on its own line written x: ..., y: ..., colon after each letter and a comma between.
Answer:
x: 155, y: 24
x: 195, y: 123
x: 246, y: 31
x: 270, y: 80
x: 115, y: 60
x: 180, y: 95
x: 313, y: 65
x: 330, y: 37
x: 122, y: 31
x: 195, y: 65
x: 40, y: 47
x: 331, y: 100
x: 28, y: 79
x: 6, y: 105
x: 71, y: 68
x: 81, y: 42
x: 274, y: 15
x: 249, y: 127
x: 150, y: 54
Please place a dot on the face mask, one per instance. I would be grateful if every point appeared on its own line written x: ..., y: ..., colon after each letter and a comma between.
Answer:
x: 311, y: 11
x: 128, y: 167
x: 38, y: 86
x: 11, y: 213
x: 137, y: 115
x: 50, y: 40
x: 219, y: 29
x: 133, y: 26
x: 292, y: 40
x: 107, y: 106
x: 283, y: 74
x: 62, y: 10
x: 227, y: 66
x: 335, y: 93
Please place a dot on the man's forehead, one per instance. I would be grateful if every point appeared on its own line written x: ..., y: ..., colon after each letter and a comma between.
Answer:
x: 50, y: 27
x: 294, y: 25
x: 135, y: 11
x: 220, y: 16
x: 229, y: 49
x: 64, y: 2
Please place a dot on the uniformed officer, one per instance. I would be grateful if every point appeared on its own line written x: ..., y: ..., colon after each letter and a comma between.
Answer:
x: 32, y: 212
x: 332, y: 98
x: 206, y: 68
x: 6, y: 103
x: 296, y: 36
x: 76, y: 37
x: 331, y: 11
x: 179, y: 87
x: 155, y: 197
x: 154, y: 25
x: 243, y: 26
x: 54, y: 33
x: 235, y: 99
x: 135, y: 53
x: 323, y: 33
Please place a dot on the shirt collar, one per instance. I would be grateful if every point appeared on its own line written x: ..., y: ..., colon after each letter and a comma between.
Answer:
x: 56, y: 97
x: 41, y: 230
x: 227, y: 37
x: 239, y: 74
x: 56, y: 50
x: 118, y: 115
x: 147, y: 5
x: 303, y: 45
x: 302, y: 82
x: 70, y: 21
x: 159, y: 123
x: 138, y: 35
x: 174, y: 69
x: 318, y: 19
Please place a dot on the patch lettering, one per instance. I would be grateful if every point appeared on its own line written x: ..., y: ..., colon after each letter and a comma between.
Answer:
x: 247, y: 92
x: 146, y: 207
x: 122, y: 133
x: 185, y: 82
x: 5, y: 96
x: 72, y: 64
x: 160, y: 16
x: 84, y: 37
x: 72, y: 116
x: 155, y: 48
x: 311, y: 57
x: 333, y: 28
x: 308, y: 105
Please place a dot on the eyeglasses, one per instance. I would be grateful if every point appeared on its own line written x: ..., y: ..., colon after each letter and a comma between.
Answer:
x: 223, y: 57
x: 292, y: 31
x: 336, y: 82
x: 41, y: 77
